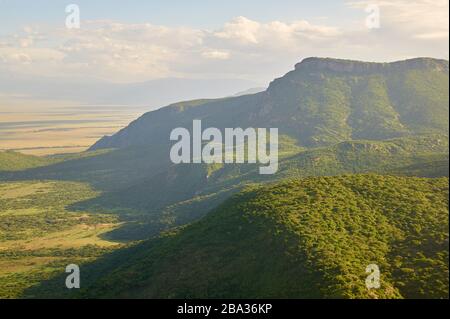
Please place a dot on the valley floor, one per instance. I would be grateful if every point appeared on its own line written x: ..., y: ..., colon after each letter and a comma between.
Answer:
x: 57, y: 130
x: 40, y: 235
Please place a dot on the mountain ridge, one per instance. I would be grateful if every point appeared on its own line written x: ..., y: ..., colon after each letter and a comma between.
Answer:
x: 344, y: 65
x: 321, y: 102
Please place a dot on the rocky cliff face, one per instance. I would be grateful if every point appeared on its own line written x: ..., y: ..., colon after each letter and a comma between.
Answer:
x: 348, y: 66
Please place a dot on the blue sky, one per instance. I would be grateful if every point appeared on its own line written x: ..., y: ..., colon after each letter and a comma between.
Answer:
x: 195, y: 13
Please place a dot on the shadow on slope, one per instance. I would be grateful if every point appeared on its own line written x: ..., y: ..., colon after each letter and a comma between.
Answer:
x: 184, y: 193
x: 308, y: 238
x: 105, y: 170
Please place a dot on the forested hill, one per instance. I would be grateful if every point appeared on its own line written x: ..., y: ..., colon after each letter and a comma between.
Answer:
x: 321, y: 102
x: 300, y: 238
x: 226, y: 231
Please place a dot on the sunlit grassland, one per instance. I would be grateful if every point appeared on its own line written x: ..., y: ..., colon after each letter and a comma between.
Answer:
x: 57, y: 131
x: 40, y: 234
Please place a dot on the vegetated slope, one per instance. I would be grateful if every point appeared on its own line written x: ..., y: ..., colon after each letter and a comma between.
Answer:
x: 157, y: 198
x: 105, y: 169
x: 321, y: 102
x: 187, y: 192
x: 15, y: 165
x: 334, y: 117
x: 432, y: 168
x: 13, y: 161
x: 299, y: 238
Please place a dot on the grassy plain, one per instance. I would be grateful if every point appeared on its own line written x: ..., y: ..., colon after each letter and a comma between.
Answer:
x: 58, y: 131
x: 40, y: 234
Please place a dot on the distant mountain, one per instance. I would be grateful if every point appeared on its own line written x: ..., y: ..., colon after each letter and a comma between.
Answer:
x: 321, y: 102
x: 250, y: 91
x: 152, y: 93
x: 309, y: 238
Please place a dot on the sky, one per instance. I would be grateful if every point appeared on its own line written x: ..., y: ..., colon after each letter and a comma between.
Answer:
x: 193, y: 13
x: 252, y: 41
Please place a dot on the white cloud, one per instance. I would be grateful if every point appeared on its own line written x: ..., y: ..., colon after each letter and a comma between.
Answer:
x: 247, y: 32
x: 421, y: 19
x: 240, y: 29
x: 216, y: 54
x: 442, y: 35
x: 241, y: 48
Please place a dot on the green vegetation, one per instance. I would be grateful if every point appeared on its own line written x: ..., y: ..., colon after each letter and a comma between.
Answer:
x: 180, y: 194
x: 304, y: 238
x: 13, y: 161
x: 321, y: 103
x: 39, y: 235
x: 308, y: 231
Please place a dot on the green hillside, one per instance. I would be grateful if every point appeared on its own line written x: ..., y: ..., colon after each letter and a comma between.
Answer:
x: 184, y: 193
x: 335, y: 117
x: 307, y: 231
x: 14, y: 161
x: 309, y: 238
x: 321, y: 102
x: 154, y: 195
